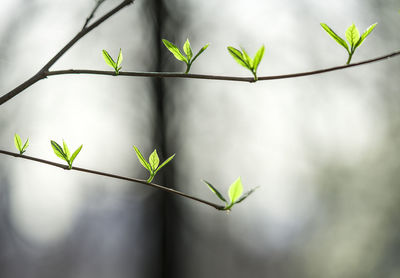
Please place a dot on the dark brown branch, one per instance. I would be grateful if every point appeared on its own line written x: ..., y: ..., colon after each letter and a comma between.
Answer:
x: 219, y: 77
x: 42, y: 73
x: 65, y: 167
x: 89, y: 18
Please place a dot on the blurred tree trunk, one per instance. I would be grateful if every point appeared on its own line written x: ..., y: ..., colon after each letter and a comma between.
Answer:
x: 165, y: 26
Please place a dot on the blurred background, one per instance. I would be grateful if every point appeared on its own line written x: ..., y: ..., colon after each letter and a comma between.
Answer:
x: 324, y: 149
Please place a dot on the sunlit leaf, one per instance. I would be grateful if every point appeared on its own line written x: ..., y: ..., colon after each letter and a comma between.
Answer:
x: 200, y: 51
x: 141, y: 159
x: 247, y: 58
x: 238, y: 56
x: 18, y: 142
x: 215, y: 191
x: 235, y: 190
x: 188, y: 50
x: 352, y: 35
x: 66, y: 150
x: 165, y: 163
x: 174, y: 50
x: 75, y: 154
x: 58, y: 150
x: 25, y: 145
x: 154, y: 160
x: 258, y: 57
x: 245, y: 195
x: 119, y: 60
x: 108, y: 59
x: 338, y: 39
x: 365, y: 34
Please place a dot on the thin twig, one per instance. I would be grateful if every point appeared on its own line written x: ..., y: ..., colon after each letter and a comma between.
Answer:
x: 89, y: 18
x: 65, y: 167
x: 220, y: 77
x: 42, y: 72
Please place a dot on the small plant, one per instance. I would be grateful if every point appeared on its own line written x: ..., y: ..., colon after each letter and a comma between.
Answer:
x: 109, y: 60
x: 235, y: 193
x: 244, y: 59
x: 352, y: 36
x: 64, y: 153
x: 18, y: 144
x: 153, y: 165
x: 188, y: 51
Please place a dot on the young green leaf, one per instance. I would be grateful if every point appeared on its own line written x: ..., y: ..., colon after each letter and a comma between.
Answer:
x: 365, y: 34
x: 258, y: 57
x: 66, y: 150
x: 142, y: 160
x: 119, y: 60
x: 248, y: 59
x: 108, y: 59
x: 18, y: 144
x: 215, y: 191
x: 245, y: 195
x: 337, y: 38
x: 188, y: 50
x: 200, y: 51
x: 352, y: 36
x: 235, y: 190
x: 154, y: 160
x: 238, y: 56
x: 174, y: 50
x: 76, y: 152
x: 25, y: 145
x: 59, y: 151
x: 164, y: 163
x: 245, y: 60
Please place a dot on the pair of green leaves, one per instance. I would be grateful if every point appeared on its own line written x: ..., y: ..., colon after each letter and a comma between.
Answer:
x: 153, y: 164
x: 244, y: 59
x: 18, y: 144
x: 187, y: 50
x: 64, y: 153
x: 235, y: 193
x: 109, y: 60
x: 352, y: 36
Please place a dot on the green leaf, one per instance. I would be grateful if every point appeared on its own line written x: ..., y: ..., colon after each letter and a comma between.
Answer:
x: 200, y: 51
x: 25, y: 145
x: 142, y: 160
x: 108, y: 59
x: 258, y: 57
x: 238, y: 56
x: 215, y: 191
x: 119, y: 60
x: 58, y: 150
x: 365, y: 34
x: 66, y: 150
x: 18, y: 142
x: 174, y: 50
x: 75, y: 154
x: 154, y: 160
x: 247, y: 59
x: 352, y: 36
x: 165, y: 163
x: 235, y: 190
x: 188, y: 50
x: 245, y: 195
x: 338, y: 39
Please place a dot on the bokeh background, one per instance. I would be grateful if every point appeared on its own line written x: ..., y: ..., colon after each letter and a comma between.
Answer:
x: 324, y: 149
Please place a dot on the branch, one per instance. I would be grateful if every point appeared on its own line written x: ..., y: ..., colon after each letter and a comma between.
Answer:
x: 219, y: 77
x: 99, y: 2
x: 42, y: 72
x: 65, y: 167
